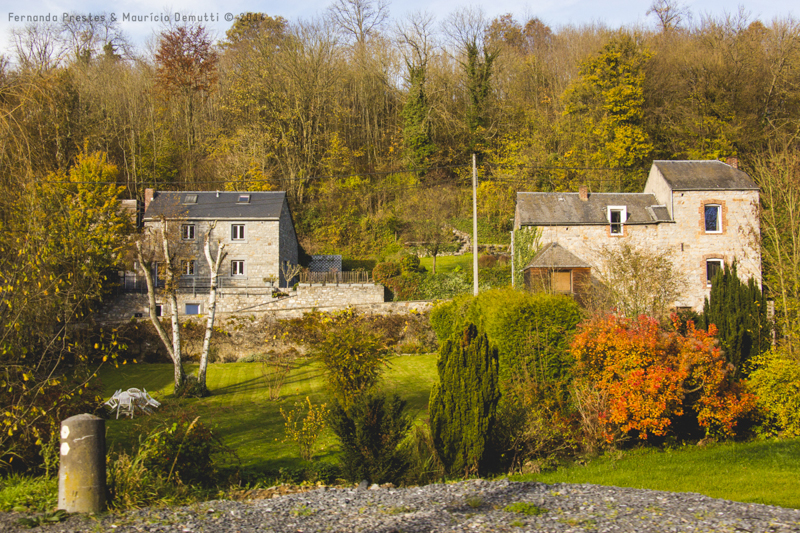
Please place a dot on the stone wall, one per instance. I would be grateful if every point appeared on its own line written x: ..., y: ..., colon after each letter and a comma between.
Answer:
x: 232, y: 301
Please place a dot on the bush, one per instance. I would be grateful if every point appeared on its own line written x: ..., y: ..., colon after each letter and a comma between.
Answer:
x: 353, y: 357
x: 410, y: 264
x: 385, y: 271
x: 370, y: 433
x: 303, y: 425
x: 188, y: 451
x: 532, y: 332
x: 424, y: 466
x: 775, y: 380
x: 739, y: 311
x: 535, y: 421
x: 648, y: 377
x: 463, y: 403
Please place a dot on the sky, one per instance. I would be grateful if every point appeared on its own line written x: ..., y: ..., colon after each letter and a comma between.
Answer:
x: 216, y: 14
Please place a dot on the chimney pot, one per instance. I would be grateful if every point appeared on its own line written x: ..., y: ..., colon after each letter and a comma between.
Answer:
x: 583, y: 192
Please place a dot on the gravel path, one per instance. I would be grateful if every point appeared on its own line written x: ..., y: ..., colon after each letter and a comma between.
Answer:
x: 473, y: 505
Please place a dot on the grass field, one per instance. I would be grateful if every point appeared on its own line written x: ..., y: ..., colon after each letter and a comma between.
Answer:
x: 239, y: 406
x: 448, y: 263
x: 759, y: 472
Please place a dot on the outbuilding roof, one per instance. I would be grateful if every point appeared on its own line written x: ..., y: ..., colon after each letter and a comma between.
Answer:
x: 248, y: 205
x: 704, y: 176
x: 567, y: 209
x: 555, y: 256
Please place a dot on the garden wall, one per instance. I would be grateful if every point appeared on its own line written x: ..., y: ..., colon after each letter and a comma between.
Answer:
x: 233, y: 301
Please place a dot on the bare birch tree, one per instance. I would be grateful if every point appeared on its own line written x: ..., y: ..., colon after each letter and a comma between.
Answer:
x: 170, y: 291
x: 213, y: 266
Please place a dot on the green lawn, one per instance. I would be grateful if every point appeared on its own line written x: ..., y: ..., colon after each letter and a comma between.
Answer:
x: 239, y: 408
x: 448, y: 263
x: 759, y: 472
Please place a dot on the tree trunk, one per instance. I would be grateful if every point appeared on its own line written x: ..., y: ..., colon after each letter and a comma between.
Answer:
x: 213, y: 265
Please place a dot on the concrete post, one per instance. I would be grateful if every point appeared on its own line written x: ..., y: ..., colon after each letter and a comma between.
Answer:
x: 82, y: 470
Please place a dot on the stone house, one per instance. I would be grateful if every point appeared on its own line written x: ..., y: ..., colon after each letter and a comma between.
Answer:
x: 256, y: 229
x: 258, y: 233
x: 705, y: 213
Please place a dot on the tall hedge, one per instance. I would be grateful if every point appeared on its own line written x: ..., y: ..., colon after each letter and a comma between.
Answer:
x: 532, y: 332
x: 739, y: 310
x: 463, y: 404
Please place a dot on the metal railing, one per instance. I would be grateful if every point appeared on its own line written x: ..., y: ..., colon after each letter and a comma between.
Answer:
x: 137, y: 283
x: 336, y: 277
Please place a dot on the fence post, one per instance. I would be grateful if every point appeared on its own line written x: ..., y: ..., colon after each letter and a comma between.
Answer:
x: 82, y: 469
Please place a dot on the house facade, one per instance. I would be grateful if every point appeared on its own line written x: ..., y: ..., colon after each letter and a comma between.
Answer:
x: 705, y: 213
x: 258, y: 235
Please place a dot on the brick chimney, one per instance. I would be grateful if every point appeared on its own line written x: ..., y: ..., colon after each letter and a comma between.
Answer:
x: 733, y: 162
x: 149, y: 194
x: 583, y: 193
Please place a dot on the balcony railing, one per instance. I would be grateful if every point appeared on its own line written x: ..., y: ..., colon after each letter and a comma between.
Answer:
x: 137, y: 283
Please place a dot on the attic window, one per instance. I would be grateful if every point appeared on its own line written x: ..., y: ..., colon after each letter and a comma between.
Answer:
x: 617, y: 215
x: 190, y: 199
x: 243, y: 199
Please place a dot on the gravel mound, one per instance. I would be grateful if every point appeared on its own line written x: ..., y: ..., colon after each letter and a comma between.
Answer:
x: 474, y: 505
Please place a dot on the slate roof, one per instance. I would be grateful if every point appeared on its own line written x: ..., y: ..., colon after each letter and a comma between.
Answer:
x: 567, y: 209
x: 216, y: 206
x: 704, y: 176
x: 555, y: 256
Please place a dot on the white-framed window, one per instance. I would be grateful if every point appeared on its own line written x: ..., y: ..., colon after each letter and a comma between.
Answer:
x: 712, y: 267
x: 713, y: 218
x: 243, y: 199
x: 192, y: 309
x: 237, y: 232
x: 187, y: 232
x: 617, y: 215
x: 159, y: 310
x: 188, y: 267
x: 237, y: 267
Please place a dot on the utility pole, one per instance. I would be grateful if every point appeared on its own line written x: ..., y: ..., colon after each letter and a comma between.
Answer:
x: 513, y: 272
x: 474, y: 225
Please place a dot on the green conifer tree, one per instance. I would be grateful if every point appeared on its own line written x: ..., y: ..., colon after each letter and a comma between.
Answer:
x: 463, y: 403
x: 738, y: 310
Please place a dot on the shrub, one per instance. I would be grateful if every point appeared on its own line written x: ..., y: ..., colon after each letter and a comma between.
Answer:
x: 410, y: 264
x: 775, y: 380
x: 370, y: 433
x: 534, y: 421
x: 487, y: 261
x: 739, y: 312
x: 353, y: 357
x: 648, y: 376
x: 406, y: 286
x: 385, y: 271
x: 532, y: 332
x: 424, y: 466
x: 303, y: 425
x: 463, y: 403
x: 188, y: 451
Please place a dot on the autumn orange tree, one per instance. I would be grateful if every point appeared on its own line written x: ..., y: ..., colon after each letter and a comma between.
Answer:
x: 187, y: 67
x: 647, y: 377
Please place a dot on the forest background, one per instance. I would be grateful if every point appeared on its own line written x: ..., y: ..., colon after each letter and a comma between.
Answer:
x: 361, y: 118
